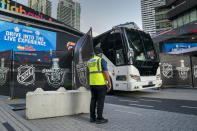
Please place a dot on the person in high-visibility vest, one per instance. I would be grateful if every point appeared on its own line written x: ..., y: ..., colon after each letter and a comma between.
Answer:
x: 99, y: 81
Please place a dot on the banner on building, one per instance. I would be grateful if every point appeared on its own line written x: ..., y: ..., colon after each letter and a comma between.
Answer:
x: 174, y: 47
x: 22, y: 38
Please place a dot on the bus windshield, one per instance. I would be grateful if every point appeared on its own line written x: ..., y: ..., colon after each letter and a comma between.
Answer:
x: 142, y: 46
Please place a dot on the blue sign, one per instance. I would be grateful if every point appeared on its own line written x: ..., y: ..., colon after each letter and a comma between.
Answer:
x: 23, y: 38
x: 172, y: 47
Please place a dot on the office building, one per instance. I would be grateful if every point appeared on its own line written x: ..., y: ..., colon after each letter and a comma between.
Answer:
x: 148, y: 15
x: 43, y: 6
x: 183, y: 12
x: 68, y: 11
x: 183, y: 35
x: 163, y: 24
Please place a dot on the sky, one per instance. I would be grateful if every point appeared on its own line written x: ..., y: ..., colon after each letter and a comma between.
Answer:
x: 102, y: 15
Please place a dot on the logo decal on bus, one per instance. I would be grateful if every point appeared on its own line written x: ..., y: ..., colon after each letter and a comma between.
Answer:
x: 183, y: 71
x: 26, y: 75
x: 167, y: 70
x: 82, y: 73
x: 3, y: 72
x: 55, y: 75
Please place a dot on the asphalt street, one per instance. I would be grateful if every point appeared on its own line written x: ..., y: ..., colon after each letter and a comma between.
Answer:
x: 169, y: 105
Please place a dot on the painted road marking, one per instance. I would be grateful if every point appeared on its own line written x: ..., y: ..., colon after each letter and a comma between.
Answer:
x: 150, y: 100
x: 128, y: 100
x: 129, y: 112
x: 189, y: 107
x: 141, y: 105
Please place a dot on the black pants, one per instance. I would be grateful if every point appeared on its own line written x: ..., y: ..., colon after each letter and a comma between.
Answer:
x: 97, y: 100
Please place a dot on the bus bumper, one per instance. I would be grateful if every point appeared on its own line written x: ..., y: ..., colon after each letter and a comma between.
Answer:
x: 134, y: 86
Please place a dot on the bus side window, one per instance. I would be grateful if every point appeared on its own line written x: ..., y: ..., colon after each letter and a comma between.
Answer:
x: 120, y: 57
x: 119, y: 50
x: 113, y: 48
x: 108, y: 48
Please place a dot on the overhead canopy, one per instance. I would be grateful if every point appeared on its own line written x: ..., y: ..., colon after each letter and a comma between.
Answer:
x: 190, y: 28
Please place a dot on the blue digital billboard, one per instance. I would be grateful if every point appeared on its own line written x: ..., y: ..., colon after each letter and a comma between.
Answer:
x: 23, y: 38
x: 172, y: 47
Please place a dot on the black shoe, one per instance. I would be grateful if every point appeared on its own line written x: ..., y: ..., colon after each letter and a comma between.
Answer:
x: 92, y: 120
x: 102, y: 120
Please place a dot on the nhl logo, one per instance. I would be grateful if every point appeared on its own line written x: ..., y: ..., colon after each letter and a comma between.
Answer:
x: 195, y: 71
x: 3, y: 72
x: 26, y: 75
x: 167, y: 70
x: 55, y: 76
x: 82, y: 73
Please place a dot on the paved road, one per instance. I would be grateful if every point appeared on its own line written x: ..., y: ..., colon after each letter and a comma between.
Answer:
x: 169, y: 105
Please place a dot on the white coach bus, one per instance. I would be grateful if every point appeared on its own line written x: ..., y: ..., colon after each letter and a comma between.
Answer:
x: 132, y: 59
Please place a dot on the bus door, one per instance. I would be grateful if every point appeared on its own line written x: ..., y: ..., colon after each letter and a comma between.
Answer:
x: 121, y: 71
x: 115, y: 52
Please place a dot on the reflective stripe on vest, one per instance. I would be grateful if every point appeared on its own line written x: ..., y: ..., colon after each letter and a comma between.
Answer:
x: 96, y: 76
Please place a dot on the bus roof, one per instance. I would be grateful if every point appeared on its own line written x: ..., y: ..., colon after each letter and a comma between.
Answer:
x: 114, y: 28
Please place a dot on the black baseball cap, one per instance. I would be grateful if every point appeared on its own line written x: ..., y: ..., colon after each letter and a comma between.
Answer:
x: 98, y: 50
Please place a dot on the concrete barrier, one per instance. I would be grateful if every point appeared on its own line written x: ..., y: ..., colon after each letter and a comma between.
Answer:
x: 45, y: 104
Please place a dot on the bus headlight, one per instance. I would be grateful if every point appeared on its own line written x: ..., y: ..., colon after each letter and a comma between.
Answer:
x: 135, y: 77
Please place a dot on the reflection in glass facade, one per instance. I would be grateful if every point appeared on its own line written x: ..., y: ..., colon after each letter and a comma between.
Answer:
x: 186, y: 18
x: 161, y: 19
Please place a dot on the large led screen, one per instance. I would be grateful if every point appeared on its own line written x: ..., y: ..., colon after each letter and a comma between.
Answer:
x: 23, y: 38
x: 173, y: 47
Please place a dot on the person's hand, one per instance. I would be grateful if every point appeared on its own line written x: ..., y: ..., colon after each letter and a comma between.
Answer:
x: 109, y: 86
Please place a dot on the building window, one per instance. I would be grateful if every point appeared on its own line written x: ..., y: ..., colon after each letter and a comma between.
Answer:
x: 175, y: 24
x: 168, y: 24
x: 186, y: 18
x: 157, y: 25
x: 180, y: 21
x: 193, y: 15
x: 156, y: 18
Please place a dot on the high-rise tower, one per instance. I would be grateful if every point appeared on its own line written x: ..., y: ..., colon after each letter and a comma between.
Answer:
x: 148, y: 15
x: 69, y: 12
x: 43, y: 6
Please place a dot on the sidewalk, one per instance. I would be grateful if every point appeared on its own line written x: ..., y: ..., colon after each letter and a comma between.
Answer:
x: 121, y: 118
x: 10, y: 121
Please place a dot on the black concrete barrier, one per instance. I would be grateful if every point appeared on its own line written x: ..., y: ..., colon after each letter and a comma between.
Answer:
x: 27, y: 71
x: 176, y: 70
x: 5, y: 72
x: 194, y: 70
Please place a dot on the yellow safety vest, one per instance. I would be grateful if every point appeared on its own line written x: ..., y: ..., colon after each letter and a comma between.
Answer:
x: 96, y: 77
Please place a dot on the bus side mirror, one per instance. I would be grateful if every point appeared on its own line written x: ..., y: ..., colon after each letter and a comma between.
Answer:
x: 130, y: 56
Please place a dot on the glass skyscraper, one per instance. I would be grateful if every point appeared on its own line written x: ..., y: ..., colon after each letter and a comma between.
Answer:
x: 43, y: 6
x: 68, y: 11
x: 148, y: 15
